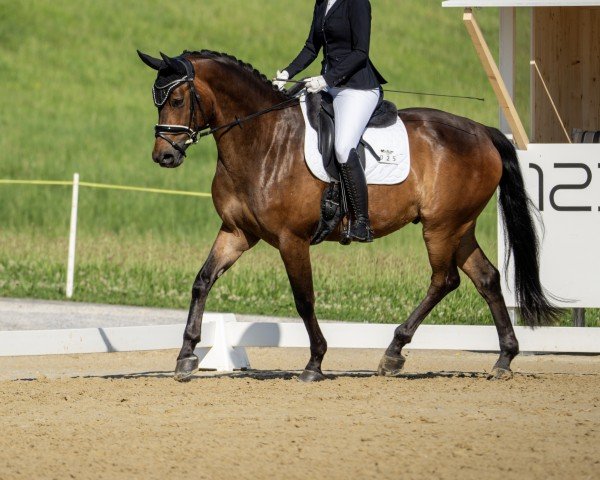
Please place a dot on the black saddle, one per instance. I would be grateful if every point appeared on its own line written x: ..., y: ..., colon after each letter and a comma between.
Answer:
x: 321, y: 118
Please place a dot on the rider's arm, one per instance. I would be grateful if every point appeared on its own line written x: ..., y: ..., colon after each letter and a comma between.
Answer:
x: 360, y: 26
x: 308, y: 54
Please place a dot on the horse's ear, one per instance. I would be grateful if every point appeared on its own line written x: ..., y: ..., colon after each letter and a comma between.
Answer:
x: 173, y: 64
x: 154, y: 63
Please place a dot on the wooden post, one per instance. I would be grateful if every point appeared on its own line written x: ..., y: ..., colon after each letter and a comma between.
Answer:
x: 491, y: 69
x: 506, y: 58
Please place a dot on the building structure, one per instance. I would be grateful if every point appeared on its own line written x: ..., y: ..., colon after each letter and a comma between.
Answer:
x: 562, y: 175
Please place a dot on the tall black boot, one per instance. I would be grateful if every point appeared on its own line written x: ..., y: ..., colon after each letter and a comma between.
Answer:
x: 355, y: 187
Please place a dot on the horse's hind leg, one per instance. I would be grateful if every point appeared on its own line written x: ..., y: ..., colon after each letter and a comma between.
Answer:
x: 296, y: 257
x: 228, y: 247
x: 486, y: 278
x: 441, y: 248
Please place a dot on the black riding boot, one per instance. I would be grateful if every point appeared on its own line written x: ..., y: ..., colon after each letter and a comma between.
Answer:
x: 355, y: 188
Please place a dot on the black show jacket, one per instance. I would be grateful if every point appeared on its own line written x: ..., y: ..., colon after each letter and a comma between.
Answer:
x: 345, y: 34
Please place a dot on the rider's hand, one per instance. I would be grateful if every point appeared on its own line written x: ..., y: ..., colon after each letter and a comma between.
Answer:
x: 280, y: 79
x: 315, y: 84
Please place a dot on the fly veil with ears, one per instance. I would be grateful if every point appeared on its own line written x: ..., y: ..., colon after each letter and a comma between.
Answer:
x: 173, y: 72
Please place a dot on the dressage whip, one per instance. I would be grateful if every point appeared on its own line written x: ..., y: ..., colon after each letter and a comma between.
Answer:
x: 404, y: 91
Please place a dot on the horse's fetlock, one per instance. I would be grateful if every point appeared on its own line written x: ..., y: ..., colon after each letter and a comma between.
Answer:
x: 402, y: 336
x: 192, y: 338
x: 511, y: 347
x: 319, y: 349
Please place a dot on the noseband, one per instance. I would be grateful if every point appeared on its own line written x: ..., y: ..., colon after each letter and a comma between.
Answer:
x: 161, y: 94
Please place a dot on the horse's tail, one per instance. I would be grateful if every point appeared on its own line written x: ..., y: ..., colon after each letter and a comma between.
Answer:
x: 521, y: 238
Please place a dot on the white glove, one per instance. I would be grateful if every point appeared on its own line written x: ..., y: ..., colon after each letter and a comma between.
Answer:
x: 315, y: 84
x: 280, y: 79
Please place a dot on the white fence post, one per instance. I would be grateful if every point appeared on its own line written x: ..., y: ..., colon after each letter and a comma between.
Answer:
x: 72, y: 237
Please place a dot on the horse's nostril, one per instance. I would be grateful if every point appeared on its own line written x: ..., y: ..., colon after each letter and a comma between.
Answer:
x: 163, y: 158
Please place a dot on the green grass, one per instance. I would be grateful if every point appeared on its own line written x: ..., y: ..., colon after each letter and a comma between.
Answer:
x: 381, y: 282
x: 76, y: 98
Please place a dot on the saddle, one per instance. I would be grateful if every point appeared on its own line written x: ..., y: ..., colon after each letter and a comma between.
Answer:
x: 321, y: 117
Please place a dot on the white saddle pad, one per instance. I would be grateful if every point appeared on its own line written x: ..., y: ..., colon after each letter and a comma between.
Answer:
x: 390, y: 143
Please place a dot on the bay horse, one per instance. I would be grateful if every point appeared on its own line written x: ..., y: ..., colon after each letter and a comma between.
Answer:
x: 263, y: 190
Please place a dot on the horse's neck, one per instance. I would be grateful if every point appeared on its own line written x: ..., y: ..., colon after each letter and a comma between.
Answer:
x: 262, y: 148
x: 255, y: 145
x: 236, y: 94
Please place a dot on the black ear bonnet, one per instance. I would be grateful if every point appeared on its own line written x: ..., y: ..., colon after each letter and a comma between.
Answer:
x: 172, y: 73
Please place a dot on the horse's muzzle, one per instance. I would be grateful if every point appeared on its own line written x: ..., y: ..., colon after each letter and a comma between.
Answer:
x: 167, y: 159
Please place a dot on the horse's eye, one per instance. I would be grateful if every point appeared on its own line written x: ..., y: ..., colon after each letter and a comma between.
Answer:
x: 176, y: 102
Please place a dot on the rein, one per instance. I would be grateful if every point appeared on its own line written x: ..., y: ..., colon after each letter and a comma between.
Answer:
x: 402, y: 91
x: 238, y: 121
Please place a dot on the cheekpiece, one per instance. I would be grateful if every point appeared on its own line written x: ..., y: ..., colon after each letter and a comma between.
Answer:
x: 169, y: 77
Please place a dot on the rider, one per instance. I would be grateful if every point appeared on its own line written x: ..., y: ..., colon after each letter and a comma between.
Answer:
x: 343, y: 29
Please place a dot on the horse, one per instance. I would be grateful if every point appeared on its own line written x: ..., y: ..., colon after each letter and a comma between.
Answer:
x: 263, y: 190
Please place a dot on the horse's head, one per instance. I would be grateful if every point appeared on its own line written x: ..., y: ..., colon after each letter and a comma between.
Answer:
x: 180, y: 111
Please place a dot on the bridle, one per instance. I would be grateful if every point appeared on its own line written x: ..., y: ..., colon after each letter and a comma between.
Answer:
x: 162, y: 130
x: 196, y: 132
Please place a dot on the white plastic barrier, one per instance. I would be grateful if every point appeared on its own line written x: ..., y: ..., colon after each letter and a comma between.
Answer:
x: 224, y: 340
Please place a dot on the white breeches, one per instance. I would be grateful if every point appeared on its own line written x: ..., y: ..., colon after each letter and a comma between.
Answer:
x: 352, y: 109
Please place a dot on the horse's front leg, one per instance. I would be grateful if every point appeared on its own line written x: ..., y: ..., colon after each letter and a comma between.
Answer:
x: 228, y: 247
x: 296, y: 257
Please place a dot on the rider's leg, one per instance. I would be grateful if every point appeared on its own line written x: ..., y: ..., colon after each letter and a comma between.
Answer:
x: 355, y: 186
x: 353, y: 109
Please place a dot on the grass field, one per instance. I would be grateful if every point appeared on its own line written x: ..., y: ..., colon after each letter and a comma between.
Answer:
x: 77, y: 99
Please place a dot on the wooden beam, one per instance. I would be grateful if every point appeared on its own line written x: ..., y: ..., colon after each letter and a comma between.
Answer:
x: 506, y: 58
x: 493, y: 74
x: 543, y: 82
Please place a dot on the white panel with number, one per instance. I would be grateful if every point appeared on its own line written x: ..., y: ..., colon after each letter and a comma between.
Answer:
x: 563, y: 182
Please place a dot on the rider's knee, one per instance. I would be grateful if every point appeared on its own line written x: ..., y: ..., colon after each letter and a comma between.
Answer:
x: 342, y: 151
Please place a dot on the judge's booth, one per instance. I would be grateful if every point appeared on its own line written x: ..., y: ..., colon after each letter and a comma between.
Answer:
x: 560, y: 151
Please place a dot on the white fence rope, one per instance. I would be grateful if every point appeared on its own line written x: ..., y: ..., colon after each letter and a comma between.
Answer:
x: 67, y: 183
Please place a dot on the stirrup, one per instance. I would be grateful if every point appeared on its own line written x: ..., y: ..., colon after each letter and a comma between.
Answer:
x: 361, y: 230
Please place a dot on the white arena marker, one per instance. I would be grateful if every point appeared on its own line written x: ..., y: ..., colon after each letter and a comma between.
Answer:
x: 72, y: 237
x: 222, y: 355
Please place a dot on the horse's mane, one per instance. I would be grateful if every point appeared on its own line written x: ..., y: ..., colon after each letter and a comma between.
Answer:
x: 243, y: 66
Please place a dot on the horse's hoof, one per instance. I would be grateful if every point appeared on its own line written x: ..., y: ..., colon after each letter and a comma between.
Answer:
x: 311, y: 376
x: 500, y: 374
x: 185, y: 368
x: 390, y: 366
